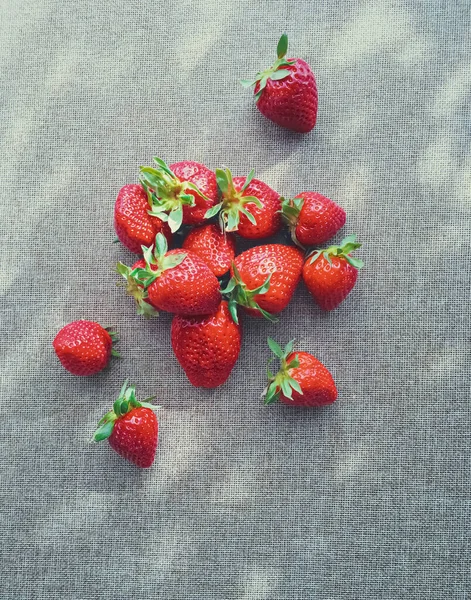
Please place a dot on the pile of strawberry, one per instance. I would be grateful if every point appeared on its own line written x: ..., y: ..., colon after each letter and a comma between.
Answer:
x: 206, y: 284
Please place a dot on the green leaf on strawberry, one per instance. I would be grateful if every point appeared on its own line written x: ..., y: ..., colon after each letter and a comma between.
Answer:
x: 282, y: 382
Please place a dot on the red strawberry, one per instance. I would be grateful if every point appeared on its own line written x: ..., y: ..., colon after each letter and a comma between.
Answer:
x: 207, y: 348
x: 175, y: 281
x: 132, y: 222
x: 181, y: 193
x: 286, y: 93
x: 84, y: 347
x: 302, y: 379
x: 312, y: 218
x: 330, y: 274
x: 264, y: 279
x: 131, y: 428
x: 248, y: 206
x: 214, y: 247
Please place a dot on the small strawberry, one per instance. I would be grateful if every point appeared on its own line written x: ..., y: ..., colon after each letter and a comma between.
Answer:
x: 301, y: 381
x: 181, y: 193
x: 132, y: 222
x: 84, y: 347
x: 247, y: 206
x: 312, y: 218
x: 215, y: 248
x: 264, y: 279
x: 286, y: 93
x: 207, y: 348
x: 131, y: 428
x: 175, y: 281
x: 330, y: 274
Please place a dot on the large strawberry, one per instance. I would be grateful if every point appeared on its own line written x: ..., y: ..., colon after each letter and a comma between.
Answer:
x: 84, y: 347
x: 330, y: 274
x: 175, y: 281
x: 302, y: 379
x: 131, y: 428
x: 214, y: 247
x: 248, y: 206
x: 181, y: 193
x: 264, y: 279
x: 312, y: 218
x: 207, y: 348
x: 286, y: 93
x: 133, y: 224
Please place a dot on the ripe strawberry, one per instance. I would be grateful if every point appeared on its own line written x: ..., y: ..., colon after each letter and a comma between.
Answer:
x: 181, y: 193
x: 330, y: 274
x: 214, y: 247
x: 302, y: 379
x: 286, y: 93
x: 264, y: 279
x: 84, y: 347
x: 132, y: 222
x: 312, y: 218
x: 175, y: 281
x: 131, y: 428
x: 247, y: 206
x: 207, y: 348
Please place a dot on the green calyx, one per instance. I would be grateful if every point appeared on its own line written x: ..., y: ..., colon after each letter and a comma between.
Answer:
x: 290, y: 209
x: 114, y: 339
x: 239, y: 295
x: 281, y: 382
x: 232, y: 203
x: 167, y: 194
x: 139, y: 279
x: 125, y: 402
x: 275, y: 72
x: 346, y: 246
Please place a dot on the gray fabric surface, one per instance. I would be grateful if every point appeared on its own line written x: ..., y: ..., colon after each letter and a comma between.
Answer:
x: 368, y: 498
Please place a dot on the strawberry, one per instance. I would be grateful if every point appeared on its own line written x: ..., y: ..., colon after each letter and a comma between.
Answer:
x: 84, y: 347
x: 181, y: 193
x: 301, y: 381
x: 174, y: 281
x: 132, y: 222
x: 247, y: 206
x: 207, y: 348
x: 131, y: 428
x: 312, y: 218
x: 264, y: 279
x: 286, y: 93
x: 330, y: 274
x: 214, y: 247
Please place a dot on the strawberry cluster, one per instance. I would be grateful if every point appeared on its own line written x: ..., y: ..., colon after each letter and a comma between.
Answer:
x: 205, y: 284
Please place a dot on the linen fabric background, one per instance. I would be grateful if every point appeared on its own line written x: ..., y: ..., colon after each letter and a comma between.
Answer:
x: 368, y: 498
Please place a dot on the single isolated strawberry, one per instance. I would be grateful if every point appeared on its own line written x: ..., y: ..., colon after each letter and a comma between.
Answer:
x: 301, y: 381
x: 214, y: 247
x: 179, y: 193
x: 133, y: 224
x: 312, y: 218
x: 286, y: 93
x: 264, y: 279
x: 176, y: 281
x: 331, y: 274
x: 85, y: 347
x: 248, y: 206
x: 207, y: 348
x: 131, y: 428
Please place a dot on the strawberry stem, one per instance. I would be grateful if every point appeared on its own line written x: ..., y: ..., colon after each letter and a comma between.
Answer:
x: 282, y: 382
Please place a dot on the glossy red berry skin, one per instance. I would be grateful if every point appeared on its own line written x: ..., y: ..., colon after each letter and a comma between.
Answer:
x: 214, y: 247
x: 268, y: 218
x: 315, y: 380
x: 205, y: 181
x: 135, y: 436
x: 319, y: 219
x: 83, y: 347
x: 207, y: 348
x: 329, y: 283
x: 291, y: 102
x: 133, y: 225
